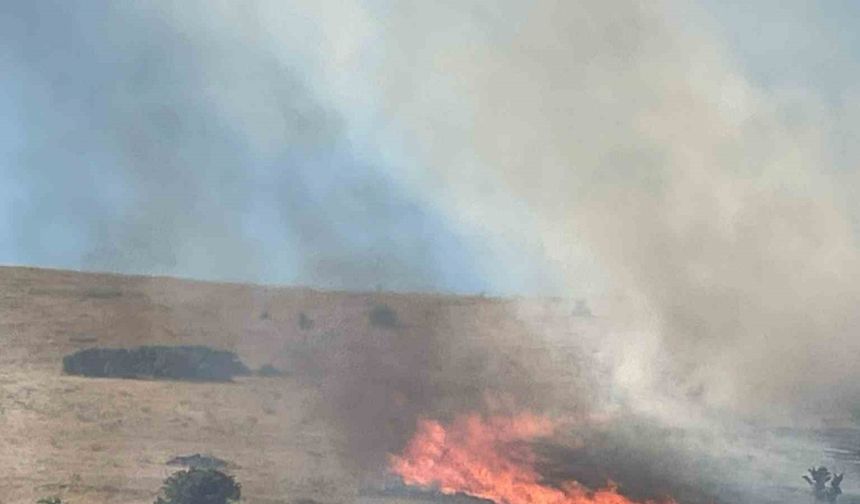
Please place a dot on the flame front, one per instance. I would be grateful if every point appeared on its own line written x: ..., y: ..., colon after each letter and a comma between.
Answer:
x: 491, y: 459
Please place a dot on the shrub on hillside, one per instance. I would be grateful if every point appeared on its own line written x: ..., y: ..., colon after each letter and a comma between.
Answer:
x: 305, y: 323
x: 49, y: 500
x: 199, y: 486
x: 198, y: 461
x: 193, y: 363
x: 383, y: 316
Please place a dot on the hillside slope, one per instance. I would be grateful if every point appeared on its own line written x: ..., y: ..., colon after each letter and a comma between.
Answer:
x: 107, y: 440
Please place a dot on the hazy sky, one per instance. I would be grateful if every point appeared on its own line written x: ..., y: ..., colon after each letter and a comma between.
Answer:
x: 114, y: 157
x: 156, y: 139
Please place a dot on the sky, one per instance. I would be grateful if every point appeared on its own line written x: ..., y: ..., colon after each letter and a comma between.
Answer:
x: 115, y: 156
x: 234, y: 144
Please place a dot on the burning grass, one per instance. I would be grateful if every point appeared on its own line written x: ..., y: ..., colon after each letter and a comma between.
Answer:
x: 491, y: 458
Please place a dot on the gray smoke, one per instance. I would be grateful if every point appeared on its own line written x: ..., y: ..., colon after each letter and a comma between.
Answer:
x: 432, y: 358
x: 617, y: 141
x: 632, y: 148
x: 180, y: 138
x: 626, y: 147
x: 136, y: 143
x: 623, y: 140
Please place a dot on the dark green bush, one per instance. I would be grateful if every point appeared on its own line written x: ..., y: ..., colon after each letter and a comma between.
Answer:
x: 199, y: 486
x: 193, y: 363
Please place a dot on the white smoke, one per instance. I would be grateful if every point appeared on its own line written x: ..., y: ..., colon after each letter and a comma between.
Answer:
x: 622, y: 141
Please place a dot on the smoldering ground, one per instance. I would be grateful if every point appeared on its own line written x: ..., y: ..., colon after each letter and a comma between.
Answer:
x: 378, y: 380
x: 650, y: 461
x: 376, y: 383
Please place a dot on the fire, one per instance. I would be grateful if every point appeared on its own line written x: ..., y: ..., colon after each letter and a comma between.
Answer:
x: 491, y: 459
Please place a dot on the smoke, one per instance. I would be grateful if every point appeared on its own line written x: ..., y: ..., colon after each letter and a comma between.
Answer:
x: 426, y: 358
x: 625, y: 140
x: 626, y: 143
x: 193, y: 139
x: 618, y: 142
x: 139, y: 143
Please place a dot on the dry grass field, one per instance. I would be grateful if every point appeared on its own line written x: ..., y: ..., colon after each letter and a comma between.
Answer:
x: 107, y: 440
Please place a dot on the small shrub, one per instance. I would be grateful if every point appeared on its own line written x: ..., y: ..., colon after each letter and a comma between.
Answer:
x: 49, y: 500
x: 102, y: 293
x: 199, y: 486
x: 305, y: 323
x: 383, y: 316
x: 820, y: 476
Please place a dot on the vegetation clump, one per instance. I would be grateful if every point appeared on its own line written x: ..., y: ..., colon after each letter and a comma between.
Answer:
x: 819, y: 478
x: 199, y: 486
x: 49, y: 500
x: 191, y: 363
x: 383, y: 316
x: 198, y: 461
x: 305, y: 323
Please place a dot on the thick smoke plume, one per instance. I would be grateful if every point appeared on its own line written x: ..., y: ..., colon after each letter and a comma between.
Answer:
x: 624, y: 143
x: 636, y: 153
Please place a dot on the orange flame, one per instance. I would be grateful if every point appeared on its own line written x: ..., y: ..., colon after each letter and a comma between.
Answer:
x: 488, y: 458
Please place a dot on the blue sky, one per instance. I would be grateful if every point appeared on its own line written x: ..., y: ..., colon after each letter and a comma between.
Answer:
x: 114, y: 157
x: 793, y: 43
